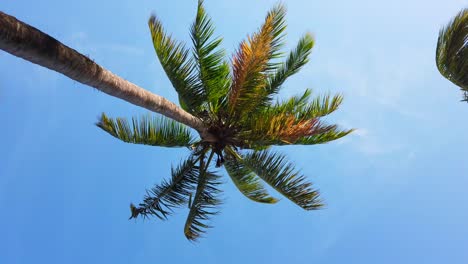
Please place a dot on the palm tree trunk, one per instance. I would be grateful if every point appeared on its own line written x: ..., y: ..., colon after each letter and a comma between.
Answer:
x: 31, y: 44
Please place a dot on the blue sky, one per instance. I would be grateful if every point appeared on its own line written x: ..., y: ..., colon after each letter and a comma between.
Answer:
x: 395, y: 190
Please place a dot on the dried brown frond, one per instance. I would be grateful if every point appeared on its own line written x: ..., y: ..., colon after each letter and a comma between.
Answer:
x: 249, y: 65
x: 294, y: 129
x: 283, y: 128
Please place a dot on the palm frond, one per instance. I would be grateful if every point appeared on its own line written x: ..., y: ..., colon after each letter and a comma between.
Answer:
x: 204, y: 203
x: 281, y: 175
x: 278, y: 128
x: 293, y: 103
x: 252, y: 62
x: 247, y: 181
x: 147, y: 130
x: 452, y: 51
x: 213, y: 71
x: 277, y: 15
x: 162, y: 198
x: 320, y: 106
x: 321, y: 138
x: 290, y: 106
x: 296, y: 59
x: 179, y: 67
x: 303, y: 108
x: 287, y: 122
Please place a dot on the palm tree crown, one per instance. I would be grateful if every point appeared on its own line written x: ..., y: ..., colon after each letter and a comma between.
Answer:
x: 235, y: 100
x: 452, y: 51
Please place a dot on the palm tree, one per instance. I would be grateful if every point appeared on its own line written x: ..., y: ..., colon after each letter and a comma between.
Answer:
x: 452, y: 51
x: 236, y: 103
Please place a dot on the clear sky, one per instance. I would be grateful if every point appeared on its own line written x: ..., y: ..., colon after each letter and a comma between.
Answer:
x: 395, y: 190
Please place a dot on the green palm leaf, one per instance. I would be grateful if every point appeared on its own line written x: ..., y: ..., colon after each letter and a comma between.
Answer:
x: 154, y: 131
x: 278, y: 14
x: 321, y: 138
x: 296, y: 59
x: 452, y: 51
x: 175, y: 61
x: 320, y: 106
x: 213, y: 71
x: 204, y: 203
x: 280, y: 174
x: 247, y: 182
x: 162, y: 198
x: 292, y: 104
x: 303, y: 109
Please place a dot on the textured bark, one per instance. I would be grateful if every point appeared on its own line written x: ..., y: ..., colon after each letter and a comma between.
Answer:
x: 31, y: 44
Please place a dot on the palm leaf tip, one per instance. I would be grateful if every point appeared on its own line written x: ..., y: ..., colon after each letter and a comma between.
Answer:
x: 296, y: 59
x: 247, y: 182
x: 204, y: 206
x: 321, y: 138
x: 176, y: 192
x: 452, y: 51
x: 134, y: 211
x: 277, y: 15
x: 205, y: 202
x: 281, y: 175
